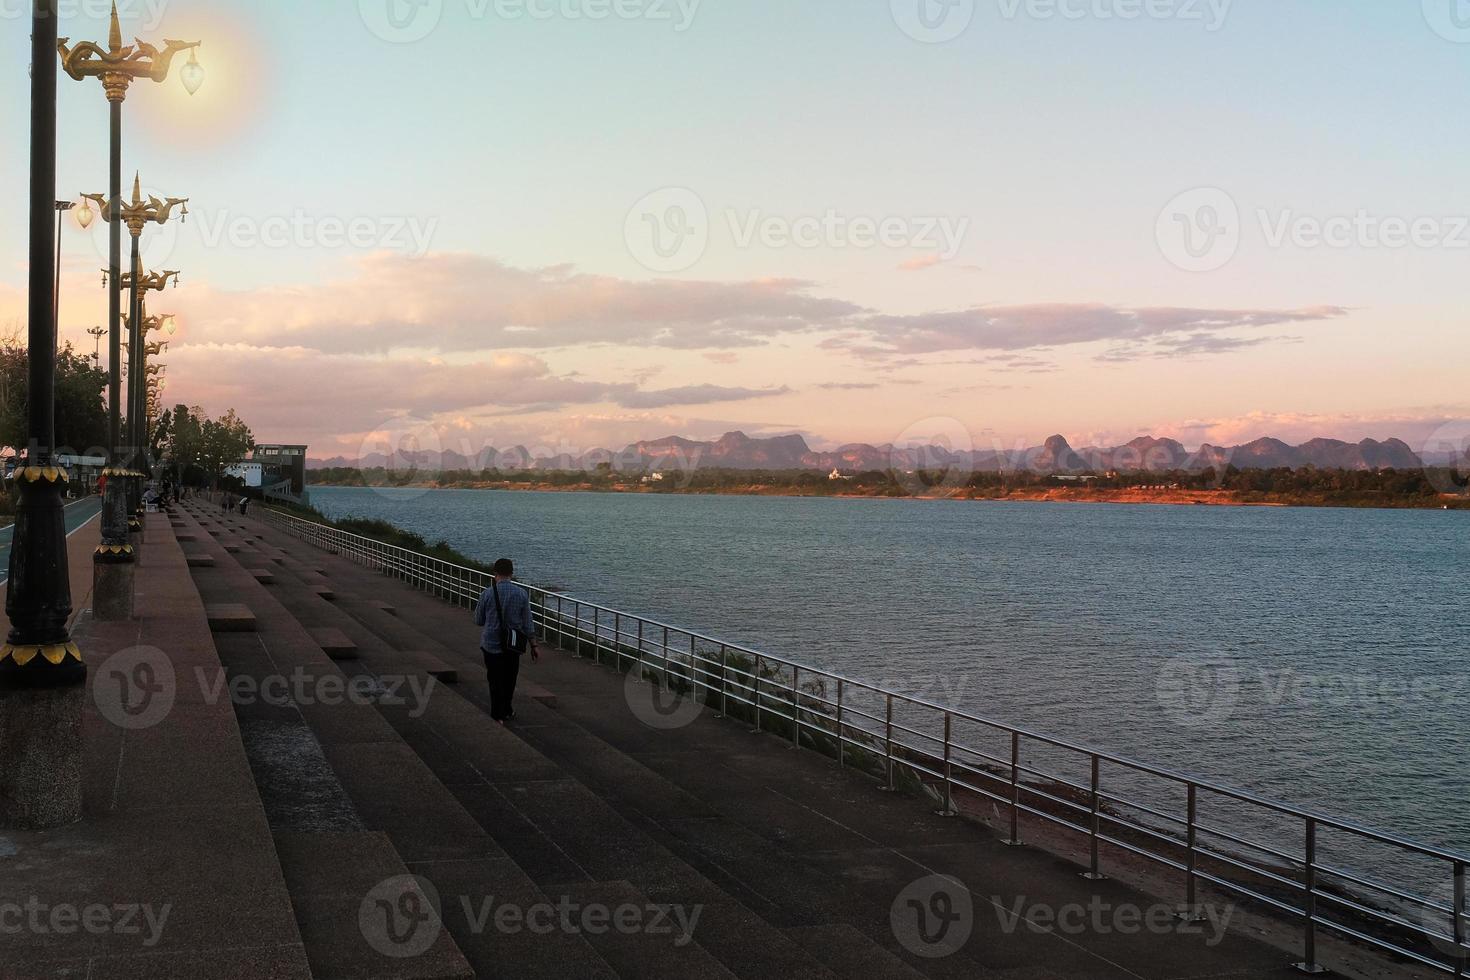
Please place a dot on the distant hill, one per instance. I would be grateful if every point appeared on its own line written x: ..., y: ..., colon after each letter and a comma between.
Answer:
x: 738, y: 451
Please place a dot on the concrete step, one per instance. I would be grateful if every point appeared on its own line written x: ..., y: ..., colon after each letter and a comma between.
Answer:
x: 228, y: 617
x: 351, y: 892
x: 334, y: 642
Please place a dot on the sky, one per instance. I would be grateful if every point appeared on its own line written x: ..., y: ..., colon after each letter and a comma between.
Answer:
x: 571, y: 224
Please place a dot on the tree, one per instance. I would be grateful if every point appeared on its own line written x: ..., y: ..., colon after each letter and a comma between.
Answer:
x: 81, y: 414
x: 223, y: 443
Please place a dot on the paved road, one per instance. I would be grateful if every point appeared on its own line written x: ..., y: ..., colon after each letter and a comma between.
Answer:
x: 78, y: 515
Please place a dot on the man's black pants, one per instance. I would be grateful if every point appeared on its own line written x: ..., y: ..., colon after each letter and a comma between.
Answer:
x: 502, y: 670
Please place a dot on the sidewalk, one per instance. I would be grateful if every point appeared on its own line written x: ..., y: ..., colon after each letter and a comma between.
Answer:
x: 172, y: 872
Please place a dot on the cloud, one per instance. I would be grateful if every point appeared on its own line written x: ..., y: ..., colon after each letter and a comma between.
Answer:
x: 1414, y: 426
x: 286, y: 389
x: 848, y: 386
x: 1015, y: 328
x: 468, y: 303
x: 920, y: 263
x: 695, y: 395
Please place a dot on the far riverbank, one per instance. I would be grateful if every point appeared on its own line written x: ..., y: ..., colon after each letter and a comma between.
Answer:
x: 1156, y: 496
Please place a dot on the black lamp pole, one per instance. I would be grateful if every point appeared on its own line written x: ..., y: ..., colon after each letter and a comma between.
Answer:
x: 40, y: 652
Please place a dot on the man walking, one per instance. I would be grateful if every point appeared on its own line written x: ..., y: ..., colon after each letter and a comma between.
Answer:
x: 504, y: 613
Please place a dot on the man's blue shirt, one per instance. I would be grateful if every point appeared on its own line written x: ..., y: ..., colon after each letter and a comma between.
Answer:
x: 517, y: 606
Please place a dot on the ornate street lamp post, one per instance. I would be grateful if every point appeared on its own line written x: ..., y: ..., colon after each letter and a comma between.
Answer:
x: 97, y: 333
x: 42, y: 676
x: 136, y: 215
x: 117, y: 66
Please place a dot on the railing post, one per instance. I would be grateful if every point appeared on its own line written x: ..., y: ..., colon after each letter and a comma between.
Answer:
x: 795, y: 707
x: 841, y: 742
x: 1094, y: 872
x: 1309, y: 963
x: 1191, y: 912
x: 1461, y: 964
x: 724, y: 660
x: 640, y: 650
x: 891, y: 786
x: 949, y: 810
x: 597, y: 634
x: 1015, y: 790
x: 666, y: 660
x: 618, y: 640
x: 696, y: 672
x: 759, y: 698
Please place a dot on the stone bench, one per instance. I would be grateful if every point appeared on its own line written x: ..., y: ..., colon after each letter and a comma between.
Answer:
x: 230, y: 618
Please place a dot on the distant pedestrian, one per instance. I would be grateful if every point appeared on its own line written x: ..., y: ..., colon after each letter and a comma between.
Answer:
x: 504, y: 612
x: 244, y: 505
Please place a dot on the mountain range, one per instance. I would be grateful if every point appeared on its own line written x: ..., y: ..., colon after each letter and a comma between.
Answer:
x: 738, y: 451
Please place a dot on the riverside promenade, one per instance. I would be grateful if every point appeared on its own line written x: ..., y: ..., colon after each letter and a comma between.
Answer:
x: 291, y: 772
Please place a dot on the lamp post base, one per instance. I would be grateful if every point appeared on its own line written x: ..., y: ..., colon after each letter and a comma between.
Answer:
x: 112, y: 583
x: 41, y: 743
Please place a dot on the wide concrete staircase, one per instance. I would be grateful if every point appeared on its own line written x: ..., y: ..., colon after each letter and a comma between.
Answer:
x: 363, y: 710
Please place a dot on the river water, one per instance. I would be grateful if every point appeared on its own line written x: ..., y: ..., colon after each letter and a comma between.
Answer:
x: 1314, y: 656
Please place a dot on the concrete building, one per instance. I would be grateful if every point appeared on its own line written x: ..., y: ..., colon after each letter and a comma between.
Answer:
x: 274, y: 470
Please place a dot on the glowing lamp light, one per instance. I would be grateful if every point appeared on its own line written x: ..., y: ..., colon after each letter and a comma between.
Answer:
x: 170, y: 325
x: 85, y: 214
x: 192, y: 74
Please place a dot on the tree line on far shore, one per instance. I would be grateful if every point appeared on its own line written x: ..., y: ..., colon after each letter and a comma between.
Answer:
x: 1431, y: 486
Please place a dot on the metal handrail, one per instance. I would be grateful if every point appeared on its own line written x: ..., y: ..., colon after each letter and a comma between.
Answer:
x: 812, y: 714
